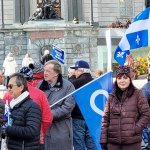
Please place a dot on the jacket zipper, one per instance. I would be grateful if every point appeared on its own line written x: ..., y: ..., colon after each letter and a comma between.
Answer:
x: 120, y: 125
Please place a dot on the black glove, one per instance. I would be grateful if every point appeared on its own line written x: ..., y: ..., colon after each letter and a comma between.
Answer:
x: 104, y: 147
x: 3, y: 132
x: 2, y: 109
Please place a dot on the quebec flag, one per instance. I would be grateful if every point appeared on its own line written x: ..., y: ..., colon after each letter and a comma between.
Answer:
x: 7, y: 114
x: 58, y: 54
x: 136, y: 36
x: 91, y: 100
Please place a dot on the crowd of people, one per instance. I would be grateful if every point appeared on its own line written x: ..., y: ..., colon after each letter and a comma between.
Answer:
x: 43, y: 117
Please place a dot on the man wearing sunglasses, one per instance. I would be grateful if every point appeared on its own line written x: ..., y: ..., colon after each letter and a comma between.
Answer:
x: 23, y: 132
x: 39, y: 97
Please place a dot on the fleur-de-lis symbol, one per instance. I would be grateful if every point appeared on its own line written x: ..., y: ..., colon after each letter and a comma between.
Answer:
x: 137, y: 39
x: 120, y: 54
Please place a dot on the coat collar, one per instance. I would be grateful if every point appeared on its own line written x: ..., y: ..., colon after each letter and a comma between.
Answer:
x: 45, y: 86
x: 18, y: 100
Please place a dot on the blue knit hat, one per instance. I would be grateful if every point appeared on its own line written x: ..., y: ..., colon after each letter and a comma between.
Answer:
x: 27, y: 72
x: 38, y: 68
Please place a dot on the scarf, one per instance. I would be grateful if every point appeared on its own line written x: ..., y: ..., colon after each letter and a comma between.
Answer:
x: 19, y: 99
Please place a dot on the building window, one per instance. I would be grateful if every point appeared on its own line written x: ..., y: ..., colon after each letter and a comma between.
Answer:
x: 147, y: 3
x: 75, y: 9
x: 126, y: 8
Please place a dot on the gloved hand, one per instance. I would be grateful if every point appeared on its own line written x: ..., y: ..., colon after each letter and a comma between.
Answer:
x: 2, y: 109
x: 3, y: 132
x: 104, y: 147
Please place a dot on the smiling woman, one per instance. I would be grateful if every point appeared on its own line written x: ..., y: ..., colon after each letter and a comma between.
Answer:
x: 121, y: 114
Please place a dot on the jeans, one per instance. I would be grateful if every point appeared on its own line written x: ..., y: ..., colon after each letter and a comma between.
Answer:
x: 81, y: 136
x: 42, y: 147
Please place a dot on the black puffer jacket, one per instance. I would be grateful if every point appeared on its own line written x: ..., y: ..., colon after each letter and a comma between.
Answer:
x: 24, y: 134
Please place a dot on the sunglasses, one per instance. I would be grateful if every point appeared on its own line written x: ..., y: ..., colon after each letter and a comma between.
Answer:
x: 10, y: 86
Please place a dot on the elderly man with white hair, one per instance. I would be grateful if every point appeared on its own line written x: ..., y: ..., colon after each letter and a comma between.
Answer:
x: 80, y: 129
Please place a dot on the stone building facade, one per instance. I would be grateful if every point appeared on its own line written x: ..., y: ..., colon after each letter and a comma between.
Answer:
x: 104, y: 11
x: 79, y: 41
x: 74, y: 41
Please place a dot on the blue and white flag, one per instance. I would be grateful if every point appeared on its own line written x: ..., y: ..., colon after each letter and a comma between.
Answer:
x: 136, y: 36
x: 58, y: 54
x: 7, y: 115
x: 91, y: 100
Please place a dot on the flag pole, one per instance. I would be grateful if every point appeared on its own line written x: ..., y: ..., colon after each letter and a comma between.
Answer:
x: 109, y: 50
x: 77, y: 90
x: 91, y: 13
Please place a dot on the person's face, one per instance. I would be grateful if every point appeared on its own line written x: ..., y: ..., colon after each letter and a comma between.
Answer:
x: 13, y: 89
x: 49, y: 74
x: 78, y: 72
x: 123, y: 82
x: 71, y: 72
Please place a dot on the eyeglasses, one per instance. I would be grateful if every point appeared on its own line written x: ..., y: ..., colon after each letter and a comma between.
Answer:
x: 10, y: 86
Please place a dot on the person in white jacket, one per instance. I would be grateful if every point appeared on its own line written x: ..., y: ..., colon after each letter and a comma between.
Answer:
x: 9, y: 67
x: 27, y: 60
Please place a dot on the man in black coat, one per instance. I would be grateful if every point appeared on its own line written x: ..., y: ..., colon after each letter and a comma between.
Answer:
x: 23, y: 130
x: 80, y: 129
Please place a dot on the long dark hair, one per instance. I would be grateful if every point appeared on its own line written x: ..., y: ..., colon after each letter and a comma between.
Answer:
x: 119, y: 92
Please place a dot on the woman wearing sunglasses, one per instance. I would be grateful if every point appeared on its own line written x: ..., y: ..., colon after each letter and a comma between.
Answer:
x: 126, y: 114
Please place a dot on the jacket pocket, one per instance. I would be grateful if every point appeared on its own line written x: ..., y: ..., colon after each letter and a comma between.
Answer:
x: 137, y: 130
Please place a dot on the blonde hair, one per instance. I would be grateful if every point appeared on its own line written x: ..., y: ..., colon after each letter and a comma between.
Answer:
x: 98, y: 73
x: 57, y: 66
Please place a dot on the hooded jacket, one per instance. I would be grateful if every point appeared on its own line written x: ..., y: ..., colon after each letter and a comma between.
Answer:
x: 9, y: 65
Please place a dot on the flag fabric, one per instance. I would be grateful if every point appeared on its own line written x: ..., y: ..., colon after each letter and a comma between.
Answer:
x: 136, y: 36
x: 7, y: 114
x: 91, y: 100
x: 58, y: 54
